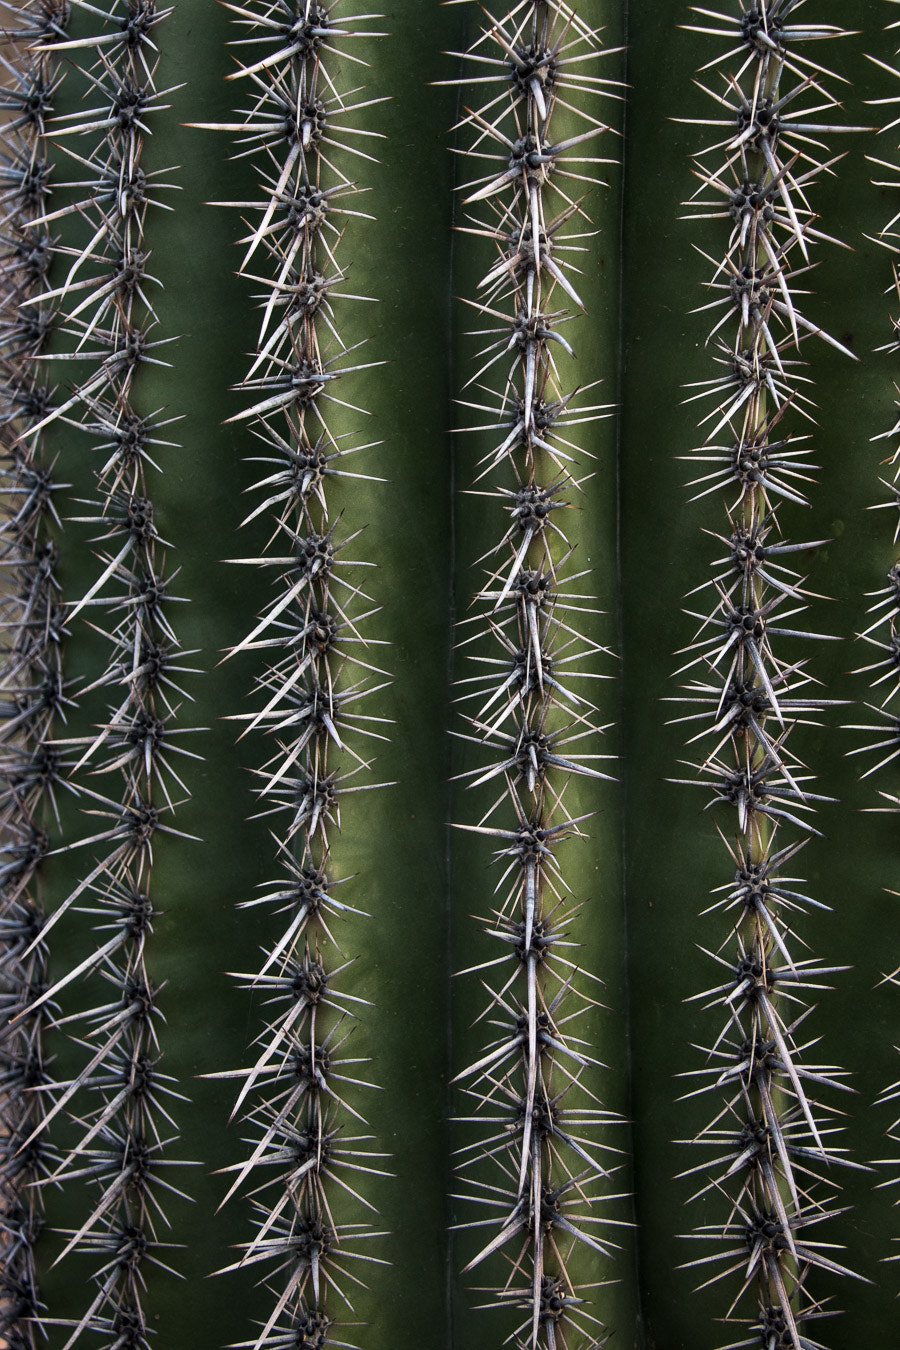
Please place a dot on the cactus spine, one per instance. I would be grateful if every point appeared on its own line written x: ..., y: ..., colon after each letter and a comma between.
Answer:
x: 536, y: 1120
x: 771, y: 1135
x: 346, y: 890
x: 300, y: 127
x: 32, y: 673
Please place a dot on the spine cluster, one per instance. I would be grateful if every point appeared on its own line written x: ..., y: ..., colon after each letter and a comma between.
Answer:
x: 109, y: 1119
x: 881, y: 732
x: 532, y: 1171
x: 307, y: 1154
x: 32, y: 629
x: 770, y: 1139
x: 883, y: 628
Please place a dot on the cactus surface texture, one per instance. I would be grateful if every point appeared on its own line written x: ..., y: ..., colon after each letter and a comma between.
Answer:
x: 437, y: 440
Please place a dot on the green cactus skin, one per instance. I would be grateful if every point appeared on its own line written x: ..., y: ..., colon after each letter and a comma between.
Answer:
x: 645, y: 874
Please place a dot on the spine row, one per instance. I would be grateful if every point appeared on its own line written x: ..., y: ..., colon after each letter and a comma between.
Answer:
x: 113, y: 1113
x: 309, y: 1149
x: 770, y: 1150
x: 533, y: 1173
x: 32, y: 686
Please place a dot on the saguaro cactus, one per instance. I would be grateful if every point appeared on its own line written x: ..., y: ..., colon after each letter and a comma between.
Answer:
x: 447, y: 1097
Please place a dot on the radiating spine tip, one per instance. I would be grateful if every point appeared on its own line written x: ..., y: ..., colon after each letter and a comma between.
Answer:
x: 529, y: 703
x: 300, y: 127
x: 771, y: 1137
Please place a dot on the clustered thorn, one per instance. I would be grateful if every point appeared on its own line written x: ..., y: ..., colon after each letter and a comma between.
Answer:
x: 81, y: 269
x: 299, y: 128
x: 34, y: 696
x: 528, y: 704
x: 881, y: 623
x: 770, y: 1143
